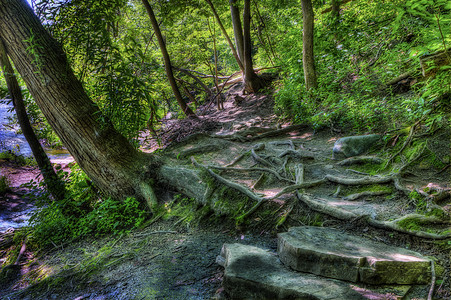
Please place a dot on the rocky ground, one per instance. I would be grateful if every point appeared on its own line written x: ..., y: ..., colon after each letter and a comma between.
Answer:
x: 175, y: 258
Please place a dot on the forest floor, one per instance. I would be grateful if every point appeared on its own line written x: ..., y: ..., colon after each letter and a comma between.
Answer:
x: 174, y: 257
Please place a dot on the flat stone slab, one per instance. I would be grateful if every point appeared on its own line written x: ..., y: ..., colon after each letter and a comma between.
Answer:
x: 254, y: 273
x: 331, y: 253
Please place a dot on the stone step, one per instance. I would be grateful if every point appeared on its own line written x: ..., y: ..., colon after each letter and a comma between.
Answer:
x: 254, y: 273
x: 331, y: 253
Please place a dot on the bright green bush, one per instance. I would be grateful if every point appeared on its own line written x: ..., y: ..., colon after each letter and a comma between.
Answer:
x: 83, y: 212
x: 4, y: 185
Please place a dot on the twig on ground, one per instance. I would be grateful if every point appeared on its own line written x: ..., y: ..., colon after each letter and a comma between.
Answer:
x: 431, y: 290
x: 22, y: 251
x: 420, y: 153
x: 407, y: 141
x: 337, y: 192
x: 155, y: 232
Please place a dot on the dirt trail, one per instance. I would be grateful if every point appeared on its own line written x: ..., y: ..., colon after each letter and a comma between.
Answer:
x: 175, y: 259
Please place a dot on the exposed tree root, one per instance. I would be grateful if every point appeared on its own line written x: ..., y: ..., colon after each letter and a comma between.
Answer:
x: 394, y: 178
x: 322, y: 207
x: 296, y: 154
x: 407, y: 141
x: 398, y: 185
x: 356, y: 196
x: 360, y: 160
x: 337, y: 192
x: 231, y: 184
x: 359, y: 181
x: 387, y: 225
x: 260, y: 160
x: 414, y: 159
x: 251, y: 134
x: 285, y: 215
x: 283, y: 143
x: 358, y: 172
x: 237, y: 159
x: 393, y: 225
x: 277, y: 175
x: 259, y: 181
x: 22, y: 251
x: 200, y: 150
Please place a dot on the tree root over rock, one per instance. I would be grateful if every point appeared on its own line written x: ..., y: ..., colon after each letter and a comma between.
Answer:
x: 360, y: 160
x: 277, y: 175
x: 345, y: 215
x: 356, y: 196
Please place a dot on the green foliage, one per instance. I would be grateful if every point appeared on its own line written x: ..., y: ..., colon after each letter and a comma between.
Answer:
x: 4, y: 185
x: 83, y: 212
x: 34, y: 49
x: 19, y: 159
x: 371, y: 44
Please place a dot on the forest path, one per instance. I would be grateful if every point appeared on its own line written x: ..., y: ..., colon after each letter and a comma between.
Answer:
x: 175, y: 258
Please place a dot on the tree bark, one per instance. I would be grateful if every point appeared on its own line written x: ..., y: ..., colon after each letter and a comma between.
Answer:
x: 336, y: 10
x: 237, y: 28
x: 54, y: 185
x: 111, y: 162
x: 308, y: 59
x: 167, y: 61
x: 252, y: 83
x: 229, y: 41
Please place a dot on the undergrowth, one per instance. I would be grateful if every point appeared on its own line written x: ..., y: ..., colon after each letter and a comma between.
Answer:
x: 357, y: 56
x: 83, y: 212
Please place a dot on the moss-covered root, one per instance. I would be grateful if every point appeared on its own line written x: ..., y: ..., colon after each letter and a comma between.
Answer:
x: 339, y: 213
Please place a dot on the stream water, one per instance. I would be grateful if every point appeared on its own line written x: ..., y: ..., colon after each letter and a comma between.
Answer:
x: 14, y: 208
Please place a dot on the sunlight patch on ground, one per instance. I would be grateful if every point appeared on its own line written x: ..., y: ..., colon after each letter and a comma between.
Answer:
x: 332, y: 140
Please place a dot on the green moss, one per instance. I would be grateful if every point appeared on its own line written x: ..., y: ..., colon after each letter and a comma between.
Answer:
x: 368, y: 188
x: 410, y: 224
x: 230, y: 202
x: 369, y: 168
x: 439, y: 213
x: 17, y: 158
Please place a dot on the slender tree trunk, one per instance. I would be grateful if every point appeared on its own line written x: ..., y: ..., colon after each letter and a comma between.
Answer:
x: 252, y: 83
x: 224, y: 32
x: 111, y: 162
x: 54, y: 185
x: 237, y: 28
x: 336, y: 10
x: 308, y: 59
x: 167, y: 61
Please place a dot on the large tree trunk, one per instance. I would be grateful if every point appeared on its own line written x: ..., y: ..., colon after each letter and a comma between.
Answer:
x: 54, y: 184
x: 308, y: 59
x: 167, y: 61
x: 252, y: 83
x: 105, y: 155
x: 237, y: 28
x: 229, y: 41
